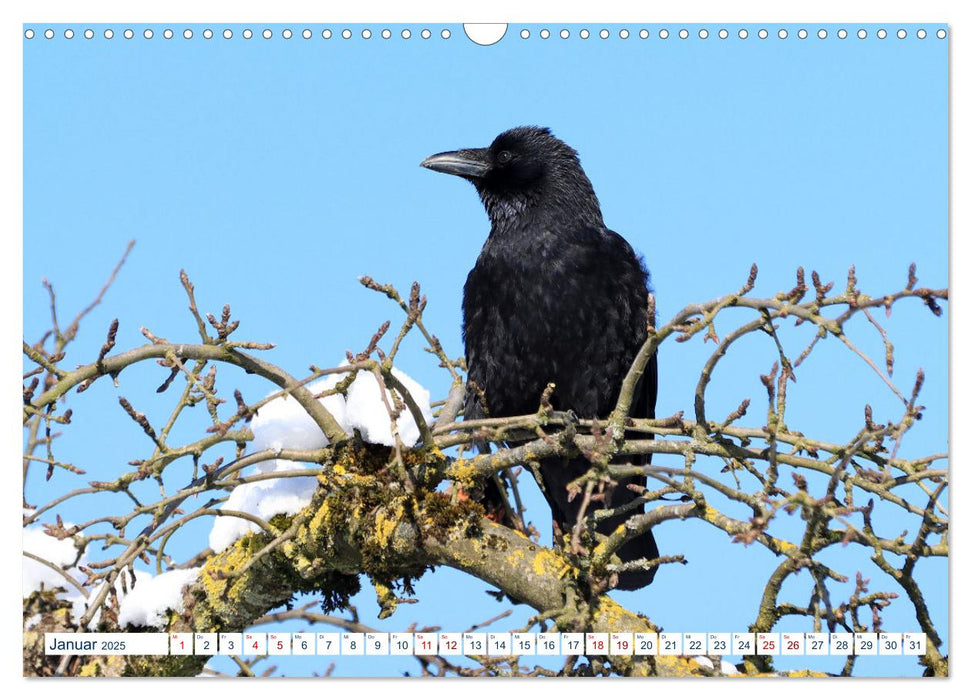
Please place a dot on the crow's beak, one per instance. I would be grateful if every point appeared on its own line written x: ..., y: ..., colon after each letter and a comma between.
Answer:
x: 470, y: 163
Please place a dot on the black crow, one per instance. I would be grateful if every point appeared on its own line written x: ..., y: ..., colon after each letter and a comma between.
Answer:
x: 555, y: 296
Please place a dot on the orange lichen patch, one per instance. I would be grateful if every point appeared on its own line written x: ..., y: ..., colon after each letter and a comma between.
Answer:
x: 546, y: 562
x: 679, y: 667
x: 462, y: 471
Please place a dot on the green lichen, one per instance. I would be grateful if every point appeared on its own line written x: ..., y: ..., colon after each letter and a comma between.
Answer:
x: 364, y: 519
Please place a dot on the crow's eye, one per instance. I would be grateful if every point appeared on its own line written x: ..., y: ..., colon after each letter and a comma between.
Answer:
x: 504, y: 157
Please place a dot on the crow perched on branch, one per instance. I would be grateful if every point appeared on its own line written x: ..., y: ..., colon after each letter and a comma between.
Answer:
x: 555, y: 296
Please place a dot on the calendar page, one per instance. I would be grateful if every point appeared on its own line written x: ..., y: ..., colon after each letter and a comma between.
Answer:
x: 532, y: 349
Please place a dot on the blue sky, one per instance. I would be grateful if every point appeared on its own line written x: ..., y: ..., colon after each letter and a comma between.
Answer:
x: 277, y: 171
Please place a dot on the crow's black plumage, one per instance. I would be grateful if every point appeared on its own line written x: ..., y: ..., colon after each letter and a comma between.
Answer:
x: 555, y: 296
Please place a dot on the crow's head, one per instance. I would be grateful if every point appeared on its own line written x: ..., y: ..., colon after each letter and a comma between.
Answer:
x: 526, y: 171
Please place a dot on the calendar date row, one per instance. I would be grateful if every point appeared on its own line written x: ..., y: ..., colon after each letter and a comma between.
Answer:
x: 492, y: 644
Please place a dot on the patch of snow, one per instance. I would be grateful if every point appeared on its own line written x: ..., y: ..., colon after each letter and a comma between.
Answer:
x: 63, y: 553
x: 284, y: 424
x: 264, y: 499
x: 729, y: 669
x: 150, y: 598
x: 365, y: 410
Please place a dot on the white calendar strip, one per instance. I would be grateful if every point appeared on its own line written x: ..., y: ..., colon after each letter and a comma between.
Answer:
x: 489, y: 643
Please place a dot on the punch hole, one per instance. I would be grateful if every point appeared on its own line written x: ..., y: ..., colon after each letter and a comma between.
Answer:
x: 405, y: 33
x: 683, y: 34
x: 783, y: 34
x: 247, y: 33
x: 68, y: 33
x: 287, y: 33
x: 544, y: 34
x: 227, y: 34
x: 346, y: 34
x: 446, y: 34
x: 722, y: 33
x: 763, y: 34
x: 524, y: 34
x: 881, y: 34
x: 385, y: 33
x: 803, y: 34
x: 187, y: 34
x: 821, y: 34
x: 49, y: 34
x: 921, y: 34
x: 486, y: 34
x: 584, y: 33
x: 29, y: 34
x: 267, y: 34
x: 604, y: 33
x: 941, y: 34
x: 643, y: 34
x: 861, y: 33
x: 901, y: 33
x: 89, y: 34
x: 703, y: 33
x: 623, y: 34
x: 306, y: 33
x: 664, y: 34
x: 327, y: 34
x: 564, y: 33
x: 129, y: 34
x: 207, y: 33
x: 366, y: 34
x: 841, y: 33
x: 743, y: 33
x: 148, y: 33
x: 109, y: 33
x: 168, y: 34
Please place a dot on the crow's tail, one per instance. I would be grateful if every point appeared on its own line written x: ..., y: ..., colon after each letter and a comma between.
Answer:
x: 557, y: 473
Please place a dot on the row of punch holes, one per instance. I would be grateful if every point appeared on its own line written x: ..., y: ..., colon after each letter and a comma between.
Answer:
x: 446, y: 33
